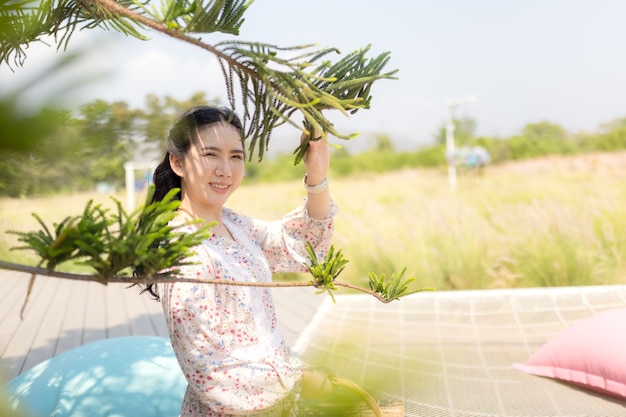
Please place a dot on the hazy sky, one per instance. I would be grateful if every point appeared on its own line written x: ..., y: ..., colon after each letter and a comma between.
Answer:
x: 527, y: 61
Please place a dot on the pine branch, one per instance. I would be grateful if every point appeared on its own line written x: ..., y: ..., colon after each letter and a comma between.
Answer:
x: 281, y: 86
x: 325, y: 275
x: 394, y: 287
x: 142, y: 243
x: 272, y: 87
x: 168, y: 278
x: 325, y: 272
x: 143, y: 248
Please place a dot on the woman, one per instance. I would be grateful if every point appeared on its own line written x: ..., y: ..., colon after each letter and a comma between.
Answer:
x: 226, y: 338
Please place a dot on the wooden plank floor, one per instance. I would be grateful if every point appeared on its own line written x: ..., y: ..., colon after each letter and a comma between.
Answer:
x: 63, y: 314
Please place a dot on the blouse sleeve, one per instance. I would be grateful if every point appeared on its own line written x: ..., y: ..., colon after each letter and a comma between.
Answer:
x: 283, y: 242
x: 202, y: 335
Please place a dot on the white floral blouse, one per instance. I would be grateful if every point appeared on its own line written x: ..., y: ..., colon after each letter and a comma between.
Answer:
x: 226, y: 338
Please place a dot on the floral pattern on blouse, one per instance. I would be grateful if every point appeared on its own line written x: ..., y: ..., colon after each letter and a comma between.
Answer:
x: 226, y: 338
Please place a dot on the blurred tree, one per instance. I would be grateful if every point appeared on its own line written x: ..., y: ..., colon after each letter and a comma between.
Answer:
x: 160, y: 113
x: 543, y: 131
x: 498, y: 149
x: 73, y: 152
x: 22, y: 126
x: 383, y: 143
x: 27, y: 168
x: 613, y: 140
x: 616, y: 124
x: 611, y: 137
x: 540, y: 139
x: 464, y: 129
x: 108, y: 139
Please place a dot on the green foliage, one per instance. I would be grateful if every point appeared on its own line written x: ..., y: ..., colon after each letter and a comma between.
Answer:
x: 375, y: 161
x: 557, y: 260
x: 345, y: 86
x: 300, y: 151
x: 429, y: 157
x: 160, y: 248
x: 106, y: 131
x: 22, y: 126
x: 498, y: 149
x: 536, y: 132
x: 383, y: 143
x: 539, y: 139
x: 53, y: 150
x: 278, y: 87
x: 52, y: 248
x: 392, y: 288
x: 142, y: 243
x: 464, y: 129
x: 15, y: 174
x: 325, y: 275
x: 200, y: 16
x: 613, y: 140
x: 272, y: 87
x: 20, y: 130
x: 26, y: 21
x: 77, y: 151
x: 369, y: 161
x: 326, y: 272
x: 156, y: 118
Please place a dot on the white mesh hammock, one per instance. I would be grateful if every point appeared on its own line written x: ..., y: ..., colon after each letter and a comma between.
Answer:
x: 449, y: 353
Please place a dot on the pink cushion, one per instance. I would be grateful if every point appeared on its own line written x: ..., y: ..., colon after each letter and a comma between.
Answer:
x: 591, y: 354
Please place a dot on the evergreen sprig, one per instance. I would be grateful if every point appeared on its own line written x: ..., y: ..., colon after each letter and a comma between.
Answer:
x: 200, y: 16
x: 325, y: 275
x: 326, y: 272
x: 345, y: 86
x: 161, y: 248
x: 142, y: 243
x: 274, y: 87
x: 60, y: 245
x: 394, y: 287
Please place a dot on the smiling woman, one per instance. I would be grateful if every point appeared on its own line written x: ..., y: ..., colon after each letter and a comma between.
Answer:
x: 227, y: 339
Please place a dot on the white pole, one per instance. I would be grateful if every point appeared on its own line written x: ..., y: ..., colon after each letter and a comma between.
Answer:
x: 450, y: 147
x: 129, y: 169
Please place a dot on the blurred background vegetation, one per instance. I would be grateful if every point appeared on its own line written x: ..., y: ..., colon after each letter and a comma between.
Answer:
x: 75, y: 150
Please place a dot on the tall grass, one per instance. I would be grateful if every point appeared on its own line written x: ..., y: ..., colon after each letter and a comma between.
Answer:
x: 543, y: 225
x: 500, y: 230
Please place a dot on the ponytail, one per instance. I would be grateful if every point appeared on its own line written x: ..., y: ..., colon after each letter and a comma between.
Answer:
x: 165, y: 179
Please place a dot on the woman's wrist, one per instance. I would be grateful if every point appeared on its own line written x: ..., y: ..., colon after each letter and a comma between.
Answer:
x: 314, y: 187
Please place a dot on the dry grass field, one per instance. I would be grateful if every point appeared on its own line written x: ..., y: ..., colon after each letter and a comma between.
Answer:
x: 544, y: 222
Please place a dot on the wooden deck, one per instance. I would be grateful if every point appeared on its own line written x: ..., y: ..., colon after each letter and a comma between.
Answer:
x: 63, y: 314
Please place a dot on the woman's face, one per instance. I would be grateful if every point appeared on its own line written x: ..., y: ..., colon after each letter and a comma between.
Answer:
x: 213, y: 167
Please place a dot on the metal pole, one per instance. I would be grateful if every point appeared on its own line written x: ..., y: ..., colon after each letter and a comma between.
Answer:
x: 450, y: 146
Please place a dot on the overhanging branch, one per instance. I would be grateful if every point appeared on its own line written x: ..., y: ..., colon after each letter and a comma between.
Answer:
x: 33, y: 270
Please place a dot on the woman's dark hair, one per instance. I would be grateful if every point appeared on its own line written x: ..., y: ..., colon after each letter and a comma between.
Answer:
x: 182, y: 135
